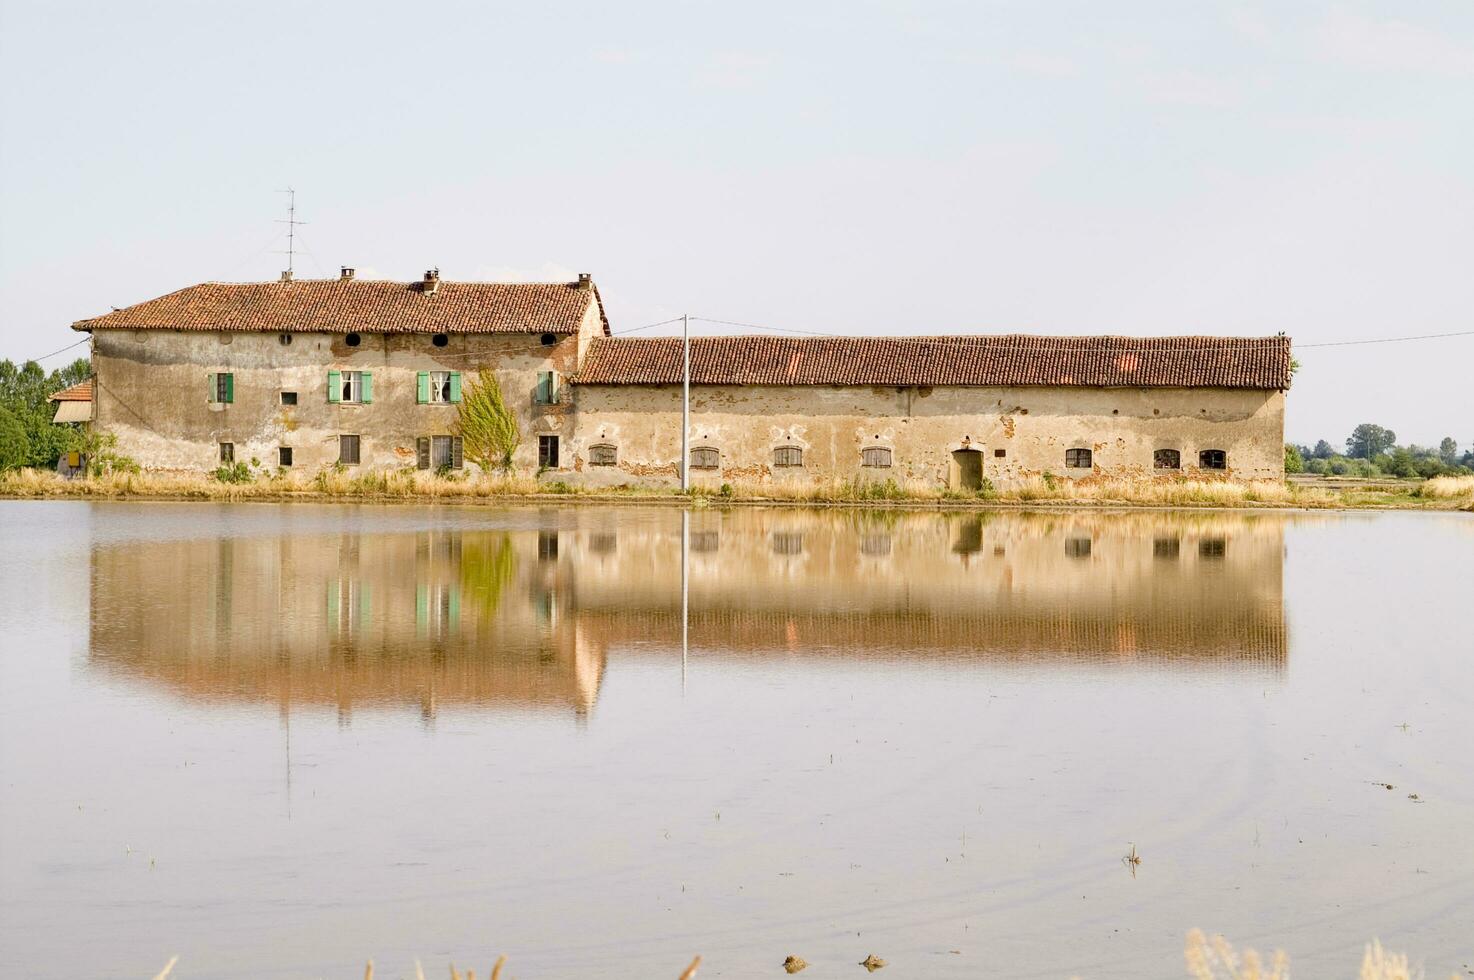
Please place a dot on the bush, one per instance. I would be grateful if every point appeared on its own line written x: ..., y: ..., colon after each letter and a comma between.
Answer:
x: 727, y: 490
x: 237, y: 472
x: 1294, y: 461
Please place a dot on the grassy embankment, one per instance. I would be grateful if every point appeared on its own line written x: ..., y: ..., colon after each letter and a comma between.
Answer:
x: 1439, y: 493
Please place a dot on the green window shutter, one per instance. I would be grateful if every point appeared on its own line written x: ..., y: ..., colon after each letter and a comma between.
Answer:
x: 335, y: 386
x: 457, y: 461
x: 368, y: 388
x: 211, y: 381
x: 422, y: 452
x: 422, y: 388
x: 229, y: 388
x: 545, y: 387
x: 455, y: 386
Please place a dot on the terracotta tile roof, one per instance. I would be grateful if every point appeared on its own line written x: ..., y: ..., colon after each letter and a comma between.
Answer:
x: 371, y: 306
x: 1014, y: 359
x: 79, y: 392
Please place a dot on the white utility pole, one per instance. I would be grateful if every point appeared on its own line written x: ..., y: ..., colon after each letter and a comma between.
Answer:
x: 685, y: 402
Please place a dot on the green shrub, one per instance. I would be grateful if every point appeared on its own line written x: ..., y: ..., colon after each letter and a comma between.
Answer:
x: 1294, y: 461
x: 237, y: 472
x: 727, y: 490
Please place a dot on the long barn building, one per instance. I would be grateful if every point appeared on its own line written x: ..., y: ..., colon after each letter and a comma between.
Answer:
x: 372, y: 374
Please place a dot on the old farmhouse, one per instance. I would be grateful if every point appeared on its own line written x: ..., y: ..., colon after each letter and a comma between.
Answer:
x: 370, y: 374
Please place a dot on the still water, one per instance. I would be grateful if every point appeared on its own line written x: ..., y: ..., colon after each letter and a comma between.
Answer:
x: 278, y: 740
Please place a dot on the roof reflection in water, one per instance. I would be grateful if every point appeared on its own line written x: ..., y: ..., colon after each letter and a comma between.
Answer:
x: 528, y: 618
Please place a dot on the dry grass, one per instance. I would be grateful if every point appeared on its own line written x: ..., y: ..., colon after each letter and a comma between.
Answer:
x: 1216, y: 959
x: 1445, y: 487
x: 408, y: 484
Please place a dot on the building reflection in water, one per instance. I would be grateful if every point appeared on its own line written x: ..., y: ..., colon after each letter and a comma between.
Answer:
x: 528, y: 618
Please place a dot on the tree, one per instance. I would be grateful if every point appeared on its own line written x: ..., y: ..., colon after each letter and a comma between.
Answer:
x: 1367, y: 441
x: 1294, y: 461
x: 1448, y: 450
x: 15, y: 447
x: 489, y: 430
x: 1323, y: 450
x: 23, y: 393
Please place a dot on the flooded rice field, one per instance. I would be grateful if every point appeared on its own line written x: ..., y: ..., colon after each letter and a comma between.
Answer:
x: 278, y: 740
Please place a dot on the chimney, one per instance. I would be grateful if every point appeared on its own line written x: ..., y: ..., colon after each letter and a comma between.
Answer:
x: 431, y: 281
x: 585, y: 280
x: 347, y: 274
x: 286, y: 276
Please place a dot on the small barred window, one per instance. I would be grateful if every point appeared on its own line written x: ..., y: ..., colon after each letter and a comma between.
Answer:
x: 1078, y: 459
x: 1167, y: 459
x: 1213, y: 459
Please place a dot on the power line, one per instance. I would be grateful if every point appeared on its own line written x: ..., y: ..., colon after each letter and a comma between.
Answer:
x: 1388, y: 340
x: 63, y: 350
x: 674, y: 319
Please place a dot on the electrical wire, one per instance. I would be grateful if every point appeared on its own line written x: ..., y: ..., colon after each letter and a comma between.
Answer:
x: 63, y: 350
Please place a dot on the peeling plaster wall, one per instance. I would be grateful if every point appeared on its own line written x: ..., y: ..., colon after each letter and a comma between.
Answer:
x: 1032, y: 427
x: 152, y: 393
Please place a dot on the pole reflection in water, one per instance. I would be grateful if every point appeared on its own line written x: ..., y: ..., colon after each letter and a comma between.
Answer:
x: 529, y: 618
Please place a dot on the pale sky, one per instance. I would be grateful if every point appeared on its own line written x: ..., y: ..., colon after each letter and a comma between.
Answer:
x: 871, y: 168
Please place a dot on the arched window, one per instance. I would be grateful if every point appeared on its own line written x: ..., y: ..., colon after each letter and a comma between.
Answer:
x: 603, y: 455
x: 788, y: 456
x: 876, y: 457
x: 1078, y: 459
x: 1213, y: 459
x: 706, y: 458
x: 1167, y: 459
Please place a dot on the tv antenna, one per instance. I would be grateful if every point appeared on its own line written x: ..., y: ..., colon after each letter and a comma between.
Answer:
x: 291, y: 222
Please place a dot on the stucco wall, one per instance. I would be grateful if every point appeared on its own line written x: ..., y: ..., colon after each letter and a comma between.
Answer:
x: 1032, y: 427
x: 153, y: 393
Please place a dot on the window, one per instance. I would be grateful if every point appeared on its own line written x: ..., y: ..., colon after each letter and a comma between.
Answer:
x: 439, y: 453
x: 706, y: 458
x: 227, y: 452
x: 1077, y: 547
x: 222, y: 388
x: 289, y: 398
x: 284, y: 456
x: 548, y: 339
x: 1000, y: 453
x: 353, y: 340
x: 547, y: 452
x: 603, y: 455
x: 1213, y: 459
x: 876, y: 457
x: 547, y: 388
x: 350, y: 387
x: 1167, y: 459
x: 440, y: 340
x: 1078, y: 459
x: 438, y: 387
x: 284, y: 339
x: 788, y: 456
x: 348, y: 450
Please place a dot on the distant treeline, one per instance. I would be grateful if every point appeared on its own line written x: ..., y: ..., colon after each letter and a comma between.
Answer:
x: 28, y: 437
x: 1373, y: 451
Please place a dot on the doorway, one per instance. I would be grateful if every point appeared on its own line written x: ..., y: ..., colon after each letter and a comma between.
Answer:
x: 967, y: 469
